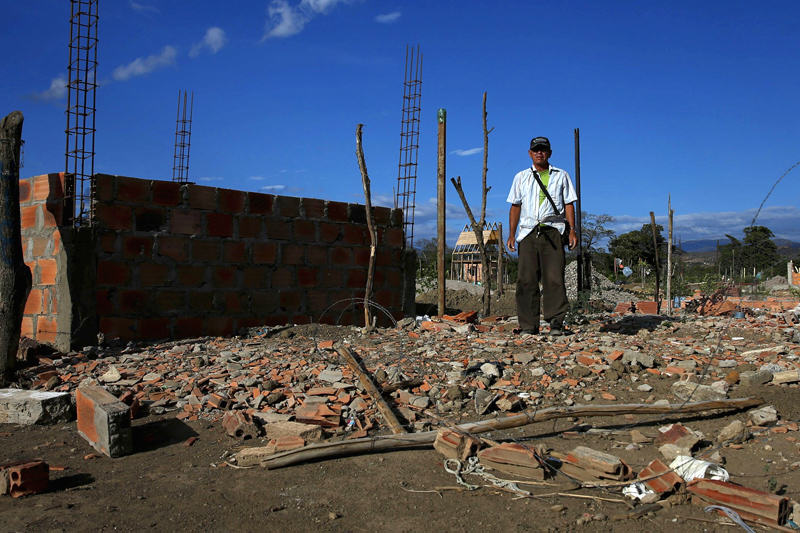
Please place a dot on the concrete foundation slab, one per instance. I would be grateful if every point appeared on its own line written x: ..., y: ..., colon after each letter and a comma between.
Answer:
x: 18, y: 406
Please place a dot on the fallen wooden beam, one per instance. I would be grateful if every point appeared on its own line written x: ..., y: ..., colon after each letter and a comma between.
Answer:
x: 372, y: 390
x: 426, y: 439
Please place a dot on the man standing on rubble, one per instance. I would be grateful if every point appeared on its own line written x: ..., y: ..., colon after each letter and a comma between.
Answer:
x: 542, y: 209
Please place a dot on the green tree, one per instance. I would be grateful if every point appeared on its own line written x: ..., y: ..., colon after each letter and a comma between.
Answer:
x: 759, y: 251
x: 427, y: 250
x: 594, y: 229
x: 635, y: 245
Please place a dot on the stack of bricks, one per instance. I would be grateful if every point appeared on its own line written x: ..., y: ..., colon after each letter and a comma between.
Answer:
x: 41, y: 201
x: 178, y: 260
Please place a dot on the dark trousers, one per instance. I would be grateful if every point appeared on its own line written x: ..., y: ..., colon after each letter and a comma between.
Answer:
x: 541, y: 260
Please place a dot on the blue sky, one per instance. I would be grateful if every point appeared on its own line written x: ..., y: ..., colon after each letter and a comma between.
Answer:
x: 693, y: 99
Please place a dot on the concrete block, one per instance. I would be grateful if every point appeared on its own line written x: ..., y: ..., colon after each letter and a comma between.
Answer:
x: 27, y: 407
x: 104, y: 421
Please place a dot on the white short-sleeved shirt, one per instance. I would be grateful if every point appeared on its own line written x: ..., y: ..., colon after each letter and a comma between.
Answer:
x: 525, y: 193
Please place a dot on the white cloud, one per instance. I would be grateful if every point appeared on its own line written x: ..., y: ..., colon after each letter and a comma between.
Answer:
x: 273, y: 187
x: 388, y: 18
x: 285, y: 20
x: 213, y: 40
x: 209, y: 178
x: 144, y: 65
x: 57, y: 90
x: 136, y: 6
x: 468, y: 151
x: 257, y: 178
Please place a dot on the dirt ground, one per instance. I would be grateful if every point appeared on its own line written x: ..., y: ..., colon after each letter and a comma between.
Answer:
x: 166, y: 485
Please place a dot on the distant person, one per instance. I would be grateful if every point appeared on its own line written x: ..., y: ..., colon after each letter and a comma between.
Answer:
x: 541, y: 230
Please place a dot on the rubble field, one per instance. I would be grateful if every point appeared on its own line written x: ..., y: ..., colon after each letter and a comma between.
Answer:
x: 208, y: 413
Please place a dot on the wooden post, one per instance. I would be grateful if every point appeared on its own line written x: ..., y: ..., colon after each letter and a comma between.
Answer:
x: 441, y: 205
x: 669, y: 257
x: 579, y: 214
x: 373, y: 237
x: 655, y: 253
x: 15, y: 276
x: 500, y: 262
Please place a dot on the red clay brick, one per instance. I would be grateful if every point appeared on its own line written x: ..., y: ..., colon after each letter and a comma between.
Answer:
x: 188, y: 327
x: 28, y: 216
x: 176, y: 248
x: 260, y: 204
x: 356, y: 278
x: 170, y: 301
x: 190, y: 275
x: 393, y: 237
x: 292, y: 254
x: 41, y: 187
x: 394, y: 278
x: 202, y: 197
x: 24, y: 191
x: 154, y: 328
x: 133, y: 301
x: 361, y: 256
x: 264, y: 302
x: 331, y: 277
x: 275, y: 320
x: 167, y: 193
x: 304, y: 230
x: 337, y: 211
x: 307, y: 277
x: 133, y: 247
x: 132, y: 190
x: 291, y: 300
x: 124, y: 328
x: 255, y: 277
x: 53, y: 214
x: 288, y: 206
x: 233, y: 252
x: 186, y: 222
x: 224, y: 276
x: 219, y: 225
x: 341, y: 256
x: 317, y: 255
x: 648, y: 308
x: 116, y: 217
x: 277, y: 229
x: 220, y: 326
x: 301, y: 318
x: 355, y: 235
x: 153, y: 275
x: 47, y: 271
x: 249, y: 227
x: 103, y: 303
x: 201, y: 301
x: 108, y: 242
x: 205, y: 250
x: 282, y: 278
x: 26, y: 329
x: 329, y: 232
x: 313, y: 208
x: 149, y: 219
x: 265, y: 252
x: 39, y: 245
x: 381, y: 215
x: 56, y: 242
x: 104, y: 187
x: 317, y: 301
x: 234, y: 302
x: 397, y: 218
x: 46, y: 329
x: 33, y: 305
x: 231, y: 201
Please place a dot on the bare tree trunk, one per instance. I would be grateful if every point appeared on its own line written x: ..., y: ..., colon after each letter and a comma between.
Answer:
x: 15, y: 276
x: 362, y: 166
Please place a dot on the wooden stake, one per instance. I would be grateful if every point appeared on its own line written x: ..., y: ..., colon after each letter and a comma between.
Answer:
x: 362, y: 166
x: 372, y: 389
x: 426, y: 439
x: 669, y: 257
x: 440, y: 208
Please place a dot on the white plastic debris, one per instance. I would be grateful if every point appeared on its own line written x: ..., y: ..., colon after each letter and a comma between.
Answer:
x: 637, y: 491
x: 689, y: 468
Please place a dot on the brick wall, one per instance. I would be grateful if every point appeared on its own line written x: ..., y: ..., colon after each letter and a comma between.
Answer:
x: 178, y: 260
x: 41, y: 206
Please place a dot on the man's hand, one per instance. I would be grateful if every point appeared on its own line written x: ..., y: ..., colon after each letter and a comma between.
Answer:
x: 573, y: 239
x: 512, y: 244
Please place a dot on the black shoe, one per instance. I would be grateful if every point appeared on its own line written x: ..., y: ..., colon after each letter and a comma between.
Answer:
x: 557, y: 331
x: 529, y: 332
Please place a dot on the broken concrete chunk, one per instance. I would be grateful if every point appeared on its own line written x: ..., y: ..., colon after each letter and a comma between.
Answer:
x: 764, y: 416
x: 331, y: 376
x: 735, y: 433
x: 26, y: 407
x: 490, y: 369
x: 308, y: 432
x: 112, y: 375
x: 755, y: 377
x: 695, y: 392
x: 633, y: 357
x: 104, y: 421
x: 523, y: 358
x: 254, y: 456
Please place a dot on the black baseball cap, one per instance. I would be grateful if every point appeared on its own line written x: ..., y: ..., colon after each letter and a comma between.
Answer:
x: 540, y: 141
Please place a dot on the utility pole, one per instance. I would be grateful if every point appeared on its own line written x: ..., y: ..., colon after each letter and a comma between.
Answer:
x: 669, y: 257
x: 583, y: 284
x: 655, y: 254
x: 440, y: 212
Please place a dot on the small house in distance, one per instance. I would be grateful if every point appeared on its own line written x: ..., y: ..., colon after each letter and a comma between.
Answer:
x: 466, y: 261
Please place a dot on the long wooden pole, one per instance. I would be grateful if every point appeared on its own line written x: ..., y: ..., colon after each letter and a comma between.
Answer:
x: 579, y: 214
x: 425, y: 439
x: 440, y: 205
x: 669, y: 256
x: 655, y: 252
x: 372, y: 389
x: 373, y: 238
x: 15, y: 276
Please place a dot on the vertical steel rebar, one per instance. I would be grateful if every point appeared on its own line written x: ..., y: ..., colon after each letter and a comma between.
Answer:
x: 409, y: 140
x: 183, y: 138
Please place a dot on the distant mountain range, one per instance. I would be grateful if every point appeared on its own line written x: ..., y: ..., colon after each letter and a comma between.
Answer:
x: 785, y: 246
